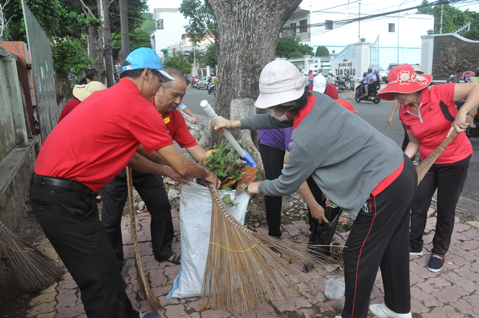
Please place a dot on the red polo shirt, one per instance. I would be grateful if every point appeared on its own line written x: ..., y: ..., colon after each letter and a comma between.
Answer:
x: 177, y: 129
x: 72, y: 103
x: 95, y: 142
x: 430, y: 126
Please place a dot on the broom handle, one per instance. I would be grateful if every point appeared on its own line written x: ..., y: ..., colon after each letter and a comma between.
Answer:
x: 435, y: 154
x: 145, y: 287
x: 212, y: 114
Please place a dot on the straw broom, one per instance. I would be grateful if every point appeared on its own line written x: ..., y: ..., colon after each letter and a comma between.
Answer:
x: 33, y: 270
x: 144, y: 286
x: 423, y: 167
x: 244, y: 274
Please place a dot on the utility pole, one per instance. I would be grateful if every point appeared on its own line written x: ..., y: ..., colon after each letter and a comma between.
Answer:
x: 359, y: 23
x: 442, y: 10
x: 398, y: 28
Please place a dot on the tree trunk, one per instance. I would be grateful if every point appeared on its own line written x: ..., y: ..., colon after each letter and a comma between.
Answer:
x: 107, y: 45
x: 125, y: 38
x: 100, y: 46
x: 248, y: 34
x: 92, y: 42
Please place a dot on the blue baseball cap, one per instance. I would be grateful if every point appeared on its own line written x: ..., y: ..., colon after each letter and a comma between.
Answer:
x: 144, y: 57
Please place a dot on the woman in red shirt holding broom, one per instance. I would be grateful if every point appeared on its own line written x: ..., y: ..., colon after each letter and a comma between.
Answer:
x: 429, y: 116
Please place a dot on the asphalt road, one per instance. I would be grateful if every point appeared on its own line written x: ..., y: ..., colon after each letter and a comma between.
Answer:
x: 376, y: 115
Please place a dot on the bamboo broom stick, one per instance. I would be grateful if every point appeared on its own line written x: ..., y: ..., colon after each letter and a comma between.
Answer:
x: 423, y: 167
x: 144, y: 286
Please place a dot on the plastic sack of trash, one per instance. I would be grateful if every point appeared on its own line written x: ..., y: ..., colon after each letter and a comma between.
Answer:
x: 334, y: 288
x: 195, y: 223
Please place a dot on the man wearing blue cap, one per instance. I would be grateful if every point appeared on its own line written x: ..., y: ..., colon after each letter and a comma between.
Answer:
x: 82, y: 154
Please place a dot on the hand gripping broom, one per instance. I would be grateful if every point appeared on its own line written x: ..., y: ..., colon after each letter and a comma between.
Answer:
x: 423, y: 167
x: 33, y: 270
x: 144, y: 286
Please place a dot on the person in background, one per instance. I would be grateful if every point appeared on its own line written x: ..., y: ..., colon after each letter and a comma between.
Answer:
x: 84, y: 152
x: 320, y: 85
x: 311, y: 77
x: 330, y: 79
x: 466, y: 76
x: 80, y: 92
x: 455, y: 78
x: 90, y: 75
x: 150, y: 186
x: 182, y: 107
x: 429, y: 114
x: 358, y: 168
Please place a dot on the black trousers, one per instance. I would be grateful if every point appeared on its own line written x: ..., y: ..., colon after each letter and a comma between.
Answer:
x: 379, y: 239
x: 152, y: 190
x: 71, y: 223
x: 273, y: 161
x: 449, y: 180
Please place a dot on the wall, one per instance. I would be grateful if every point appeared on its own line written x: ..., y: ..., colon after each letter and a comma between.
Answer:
x: 17, y: 151
x: 411, y: 27
x: 173, y: 28
x: 452, y: 52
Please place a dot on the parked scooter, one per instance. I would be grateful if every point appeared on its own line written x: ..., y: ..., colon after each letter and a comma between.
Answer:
x: 372, y: 96
x: 340, y: 84
x: 211, y: 88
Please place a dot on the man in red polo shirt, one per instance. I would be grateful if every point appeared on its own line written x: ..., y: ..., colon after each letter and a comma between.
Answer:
x: 150, y: 186
x: 84, y: 152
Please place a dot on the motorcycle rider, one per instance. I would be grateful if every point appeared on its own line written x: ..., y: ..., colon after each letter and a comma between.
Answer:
x: 368, y: 80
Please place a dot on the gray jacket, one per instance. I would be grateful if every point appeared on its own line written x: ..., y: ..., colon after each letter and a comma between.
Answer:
x: 345, y: 155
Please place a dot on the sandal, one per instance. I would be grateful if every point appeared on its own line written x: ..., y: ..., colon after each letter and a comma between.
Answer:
x: 175, y: 259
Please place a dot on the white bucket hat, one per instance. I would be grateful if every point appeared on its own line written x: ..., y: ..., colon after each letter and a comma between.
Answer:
x: 280, y: 82
x: 83, y: 91
x: 319, y: 83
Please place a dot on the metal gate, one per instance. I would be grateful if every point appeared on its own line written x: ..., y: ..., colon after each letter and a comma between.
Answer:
x: 42, y: 69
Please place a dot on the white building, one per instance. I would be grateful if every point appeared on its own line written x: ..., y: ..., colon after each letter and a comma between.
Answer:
x: 169, y: 29
x: 399, y: 36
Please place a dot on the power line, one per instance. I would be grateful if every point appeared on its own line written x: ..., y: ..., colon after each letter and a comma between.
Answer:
x: 372, y: 16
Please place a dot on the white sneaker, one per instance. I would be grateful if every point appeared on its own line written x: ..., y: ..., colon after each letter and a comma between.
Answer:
x: 381, y: 310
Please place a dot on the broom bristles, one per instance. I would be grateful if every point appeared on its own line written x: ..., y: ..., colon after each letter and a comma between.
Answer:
x: 242, y: 273
x: 155, y: 305
x: 34, y: 270
x: 424, y: 166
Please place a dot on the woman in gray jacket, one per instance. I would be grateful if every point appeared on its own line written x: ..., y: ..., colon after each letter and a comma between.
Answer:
x: 356, y: 167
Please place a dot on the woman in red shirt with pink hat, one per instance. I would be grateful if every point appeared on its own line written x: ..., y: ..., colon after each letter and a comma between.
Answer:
x: 429, y: 115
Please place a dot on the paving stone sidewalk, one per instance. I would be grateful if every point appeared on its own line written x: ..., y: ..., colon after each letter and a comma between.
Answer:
x: 451, y: 293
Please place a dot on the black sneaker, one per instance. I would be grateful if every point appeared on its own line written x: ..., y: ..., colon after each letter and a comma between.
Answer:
x: 415, y: 252
x: 435, y: 262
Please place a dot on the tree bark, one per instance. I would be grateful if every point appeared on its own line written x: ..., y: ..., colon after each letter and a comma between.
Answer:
x: 108, y: 55
x: 100, y: 62
x: 248, y: 34
x: 125, y: 37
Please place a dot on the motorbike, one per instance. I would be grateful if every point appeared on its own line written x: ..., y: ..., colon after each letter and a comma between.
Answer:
x: 211, y: 88
x: 340, y: 84
x: 470, y: 131
x: 372, y: 96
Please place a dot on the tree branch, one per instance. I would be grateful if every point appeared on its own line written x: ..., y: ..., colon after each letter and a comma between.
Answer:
x: 88, y: 9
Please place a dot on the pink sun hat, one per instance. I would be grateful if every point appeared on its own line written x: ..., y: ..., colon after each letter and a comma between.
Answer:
x: 402, y: 79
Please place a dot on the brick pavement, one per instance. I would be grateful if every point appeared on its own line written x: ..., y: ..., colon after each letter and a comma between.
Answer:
x: 451, y: 293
